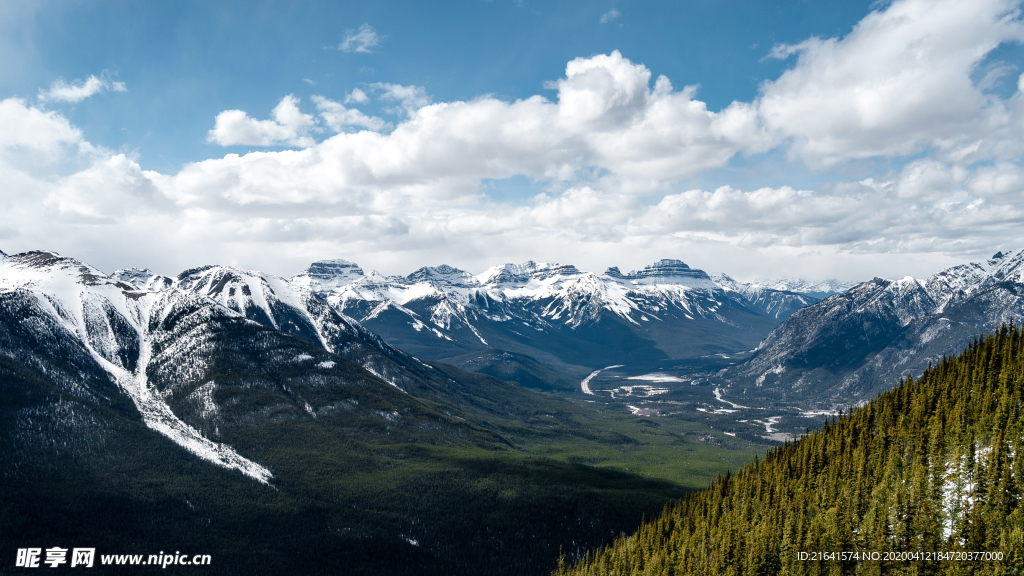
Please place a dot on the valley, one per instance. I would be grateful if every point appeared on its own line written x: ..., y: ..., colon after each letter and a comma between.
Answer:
x: 512, y: 288
x: 414, y: 425
x: 926, y: 474
x: 228, y: 409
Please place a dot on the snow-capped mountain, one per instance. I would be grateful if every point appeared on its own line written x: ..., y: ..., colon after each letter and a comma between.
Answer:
x: 849, y: 346
x: 292, y: 308
x: 222, y: 406
x: 327, y: 274
x: 779, y: 303
x: 201, y: 359
x: 821, y: 289
x: 556, y: 312
x: 109, y: 325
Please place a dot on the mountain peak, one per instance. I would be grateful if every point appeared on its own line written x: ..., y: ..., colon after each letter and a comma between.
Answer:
x: 662, y: 269
x: 325, y: 275
x: 614, y: 272
x: 818, y: 288
x: 725, y: 279
x: 443, y: 274
x: 142, y: 279
x: 522, y: 273
x: 40, y: 258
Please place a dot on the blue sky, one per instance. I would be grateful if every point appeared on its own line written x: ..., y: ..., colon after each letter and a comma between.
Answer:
x: 187, y: 61
x: 804, y: 155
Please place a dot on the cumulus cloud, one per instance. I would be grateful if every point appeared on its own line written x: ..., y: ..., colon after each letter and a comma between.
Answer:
x: 1001, y: 181
x: 25, y: 126
x: 607, y: 118
x: 898, y: 84
x: 61, y: 91
x: 290, y: 126
x: 109, y: 191
x: 361, y: 40
x: 929, y: 180
x: 610, y: 15
x: 357, y: 96
x: 299, y: 205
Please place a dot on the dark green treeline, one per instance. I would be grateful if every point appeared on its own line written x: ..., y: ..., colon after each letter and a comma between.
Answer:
x: 930, y: 466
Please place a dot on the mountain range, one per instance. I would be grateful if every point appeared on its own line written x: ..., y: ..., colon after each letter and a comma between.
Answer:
x: 242, y: 411
x: 853, y: 345
x: 548, y: 325
x: 569, y: 319
x: 153, y: 345
x: 370, y: 408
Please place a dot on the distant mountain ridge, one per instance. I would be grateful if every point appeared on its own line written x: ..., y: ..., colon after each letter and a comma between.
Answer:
x: 567, y: 319
x: 821, y: 289
x: 555, y: 312
x: 850, y: 346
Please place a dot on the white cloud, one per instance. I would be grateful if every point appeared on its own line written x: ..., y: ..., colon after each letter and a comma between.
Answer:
x: 1003, y: 181
x: 357, y: 96
x: 610, y: 148
x: 79, y: 90
x: 610, y: 15
x: 25, y: 126
x: 109, y: 191
x: 607, y: 118
x: 338, y: 117
x: 898, y: 84
x: 930, y: 180
x: 349, y: 197
x: 361, y: 40
x: 289, y: 126
x: 411, y: 98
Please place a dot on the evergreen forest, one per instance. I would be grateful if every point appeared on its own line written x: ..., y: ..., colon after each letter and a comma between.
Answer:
x: 924, y: 479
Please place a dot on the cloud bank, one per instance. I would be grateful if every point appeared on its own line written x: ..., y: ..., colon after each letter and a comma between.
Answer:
x: 610, y: 149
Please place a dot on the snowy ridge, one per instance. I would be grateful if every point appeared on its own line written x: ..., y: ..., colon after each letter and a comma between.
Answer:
x: 143, y: 279
x: 106, y: 314
x: 538, y: 295
x: 912, y: 298
x: 778, y: 303
x: 327, y: 274
x: 268, y: 299
x: 886, y: 329
x: 790, y: 284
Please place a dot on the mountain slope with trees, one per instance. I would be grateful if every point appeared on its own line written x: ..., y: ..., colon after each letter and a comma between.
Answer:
x: 932, y: 466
